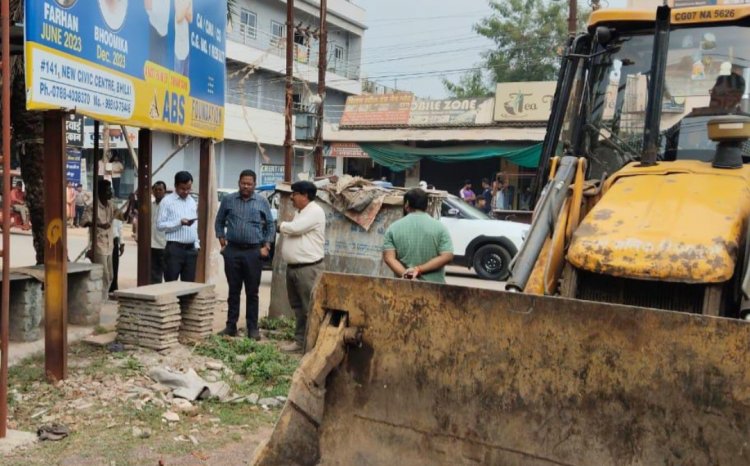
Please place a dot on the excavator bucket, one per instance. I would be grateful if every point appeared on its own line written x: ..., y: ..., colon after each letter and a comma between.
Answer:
x: 446, y: 375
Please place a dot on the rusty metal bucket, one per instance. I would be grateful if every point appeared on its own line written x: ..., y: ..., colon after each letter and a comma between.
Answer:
x: 453, y: 375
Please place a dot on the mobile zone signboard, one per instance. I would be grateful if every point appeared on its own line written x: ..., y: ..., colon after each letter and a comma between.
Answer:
x: 114, y: 60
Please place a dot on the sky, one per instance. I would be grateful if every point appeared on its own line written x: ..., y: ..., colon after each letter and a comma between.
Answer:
x: 409, y: 43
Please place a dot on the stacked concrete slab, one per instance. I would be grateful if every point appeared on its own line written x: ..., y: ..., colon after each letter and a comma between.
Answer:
x: 151, y: 324
x: 198, y: 315
x: 156, y: 316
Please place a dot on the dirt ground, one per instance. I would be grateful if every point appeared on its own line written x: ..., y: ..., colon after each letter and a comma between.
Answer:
x: 116, y: 412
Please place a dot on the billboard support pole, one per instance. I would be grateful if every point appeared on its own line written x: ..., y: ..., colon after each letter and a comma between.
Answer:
x: 55, y: 249
x: 5, y: 154
x: 145, y: 140
x: 289, y: 92
x: 204, y: 211
x: 95, y: 187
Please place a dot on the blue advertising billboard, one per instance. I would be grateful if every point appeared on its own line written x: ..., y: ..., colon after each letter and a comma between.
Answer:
x: 157, y: 64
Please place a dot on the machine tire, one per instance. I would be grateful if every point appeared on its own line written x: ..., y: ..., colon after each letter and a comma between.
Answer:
x: 492, y: 262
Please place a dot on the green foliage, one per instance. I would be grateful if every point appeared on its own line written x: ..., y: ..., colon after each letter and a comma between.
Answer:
x: 132, y: 364
x: 280, y: 328
x: 266, y: 370
x: 470, y: 85
x: 27, y: 372
x: 527, y: 35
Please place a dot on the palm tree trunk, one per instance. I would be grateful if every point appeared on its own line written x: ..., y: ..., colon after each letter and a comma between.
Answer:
x: 28, y: 132
x: 27, y: 135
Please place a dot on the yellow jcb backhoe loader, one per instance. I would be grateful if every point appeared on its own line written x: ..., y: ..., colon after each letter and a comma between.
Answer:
x: 624, y: 339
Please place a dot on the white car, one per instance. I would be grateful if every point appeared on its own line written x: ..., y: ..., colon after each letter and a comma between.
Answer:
x: 479, y: 242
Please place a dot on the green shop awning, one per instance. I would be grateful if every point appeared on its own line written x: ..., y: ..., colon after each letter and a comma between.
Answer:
x: 399, y: 157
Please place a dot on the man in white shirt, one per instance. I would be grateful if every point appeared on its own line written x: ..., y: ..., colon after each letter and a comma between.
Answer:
x: 178, y: 219
x: 302, y: 247
x: 158, y: 239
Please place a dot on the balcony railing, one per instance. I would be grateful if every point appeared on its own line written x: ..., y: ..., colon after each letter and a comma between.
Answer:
x: 253, y: 37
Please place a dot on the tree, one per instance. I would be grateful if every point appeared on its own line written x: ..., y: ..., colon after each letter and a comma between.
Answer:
x: 27, y: 137
x: 469, y: 85
x: 526, y: 36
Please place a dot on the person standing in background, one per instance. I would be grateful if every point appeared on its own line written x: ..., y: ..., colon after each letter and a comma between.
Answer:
x: 498, y: 192
x: 101, y: 251
x: 178, y: 217
x: 158, y: 240
x: 70, y: 197
x: 18, y: 204
x: 118, y: 250
x: 467, y: 194
x: 82, y: 199
x: 117, y: 169
x: 486, y: 199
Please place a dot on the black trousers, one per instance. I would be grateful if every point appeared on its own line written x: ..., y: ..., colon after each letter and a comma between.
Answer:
x: 115, y: 265
x: 242, y: 266
x: 179, y: 263
x: 157, y: 265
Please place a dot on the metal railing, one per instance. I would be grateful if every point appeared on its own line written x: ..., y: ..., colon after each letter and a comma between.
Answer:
x: 306, y: 54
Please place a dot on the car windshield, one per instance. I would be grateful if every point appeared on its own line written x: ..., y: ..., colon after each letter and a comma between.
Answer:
x: 465, y: 210
x: 706, y: 71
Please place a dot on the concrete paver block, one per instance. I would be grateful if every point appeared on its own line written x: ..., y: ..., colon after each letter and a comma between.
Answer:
x: 155, y: 292
x: 103, y: 339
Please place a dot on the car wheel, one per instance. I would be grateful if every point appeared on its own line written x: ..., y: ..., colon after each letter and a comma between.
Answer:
x: 492, y: 262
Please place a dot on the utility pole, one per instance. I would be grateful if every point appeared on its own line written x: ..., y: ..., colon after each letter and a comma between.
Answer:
x: 288, y: 149
x: 572, y: 17
x: 322, y: 66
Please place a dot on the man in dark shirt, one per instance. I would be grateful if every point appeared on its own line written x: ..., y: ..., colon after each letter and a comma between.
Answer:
x: 486, y: 196
x: 245, y: 229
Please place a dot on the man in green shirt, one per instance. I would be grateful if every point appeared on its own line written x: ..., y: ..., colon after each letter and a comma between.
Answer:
x: 418, y: 246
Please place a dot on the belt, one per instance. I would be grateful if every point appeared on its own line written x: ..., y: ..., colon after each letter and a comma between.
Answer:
x: 298, y: 266
x: 244, y: 245
x: 182, y: 245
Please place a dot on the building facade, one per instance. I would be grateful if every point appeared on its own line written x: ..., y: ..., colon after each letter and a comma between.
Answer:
x: 256, y: 66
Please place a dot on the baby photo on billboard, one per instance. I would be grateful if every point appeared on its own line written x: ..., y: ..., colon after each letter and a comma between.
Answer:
x: 113, y: 12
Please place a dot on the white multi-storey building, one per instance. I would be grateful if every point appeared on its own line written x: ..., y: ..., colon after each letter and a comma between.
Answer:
x: 256, y: 66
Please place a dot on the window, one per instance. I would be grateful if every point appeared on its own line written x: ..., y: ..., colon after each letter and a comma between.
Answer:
x: 299, y: 38
x: 248, y: 23
x: 277, y: 29
x: 338, y: 53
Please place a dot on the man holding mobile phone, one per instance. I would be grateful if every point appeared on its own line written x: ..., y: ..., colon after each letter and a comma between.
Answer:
x: 178, y: 215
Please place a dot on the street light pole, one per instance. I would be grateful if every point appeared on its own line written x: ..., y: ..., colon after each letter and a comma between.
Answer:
x: 289, y: 92
x: 322, y: 67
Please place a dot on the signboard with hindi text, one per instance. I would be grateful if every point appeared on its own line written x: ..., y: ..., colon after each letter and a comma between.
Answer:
x: 377, y: 110
x: 153, y: 64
